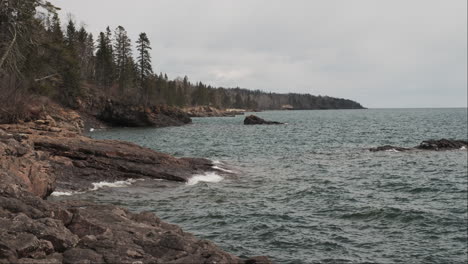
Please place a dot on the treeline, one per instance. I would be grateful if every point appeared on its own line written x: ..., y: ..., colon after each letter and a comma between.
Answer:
x: 39, y: 56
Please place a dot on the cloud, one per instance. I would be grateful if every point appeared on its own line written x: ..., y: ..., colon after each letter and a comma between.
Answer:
x: 381, y: 53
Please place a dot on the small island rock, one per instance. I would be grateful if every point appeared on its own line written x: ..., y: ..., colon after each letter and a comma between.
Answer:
x: 255, y: 120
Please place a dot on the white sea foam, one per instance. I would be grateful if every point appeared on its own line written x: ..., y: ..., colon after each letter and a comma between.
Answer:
x: 222, y: 169
x: 392, y: 150
x: 207, y: 177
x: 117, y: 184
x: 463, y: 148
x: 63, y: 193
x: 216, y: 162
x: 91, y: 130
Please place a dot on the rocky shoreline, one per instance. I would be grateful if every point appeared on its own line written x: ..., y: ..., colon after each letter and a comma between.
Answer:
x: 209, y: 111
x: 37, y: 158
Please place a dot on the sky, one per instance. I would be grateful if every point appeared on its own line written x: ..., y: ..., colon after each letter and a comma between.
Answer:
x: 383, y: 54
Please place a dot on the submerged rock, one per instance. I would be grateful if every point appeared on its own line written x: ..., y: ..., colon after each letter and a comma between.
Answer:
x: 436, y: 145
x: 388, y: 148
x: 442, y: 144
x: 255, y: 120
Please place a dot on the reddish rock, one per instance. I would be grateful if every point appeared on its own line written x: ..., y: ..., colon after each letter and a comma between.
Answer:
x: 33, y: 230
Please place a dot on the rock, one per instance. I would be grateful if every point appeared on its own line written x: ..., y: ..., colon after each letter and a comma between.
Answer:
x: 258, y: 260
x: 81, y: 256
x: 40, y: 122
x: 435, y: 145
x: 55, y: 129
x: 209, y: 111
x: 79, y: 161
x: 51, y: 121
x: 33, y: 230
x: 442, y: 144
x: 255, y: 120
x: 129, y: 115
x: 389, y: 148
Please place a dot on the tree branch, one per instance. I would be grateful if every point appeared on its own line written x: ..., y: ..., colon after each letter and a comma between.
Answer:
x: 10, y: 47
x: 46, y: 77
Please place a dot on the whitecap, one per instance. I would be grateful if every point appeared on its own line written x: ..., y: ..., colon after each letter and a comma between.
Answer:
x: 222, y: 169
x: 463, y: 148
x: 116, y: 184
x: 63, y: 193
x: 392, y: 150
x: 216, y: 162
x: 207, y: 177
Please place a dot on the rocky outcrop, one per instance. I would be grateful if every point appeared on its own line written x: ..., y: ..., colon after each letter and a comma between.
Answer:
x: 116, y: 110
x: 209, y: 111
x: 33, y: 230
x: 435, y: 145
x: 30, y: 168
x: 442, y: 144
x: 388, y: 148
x: 255, y: 120
x: 35, y: 160
x: 128, y: 115
x: 78, y: 161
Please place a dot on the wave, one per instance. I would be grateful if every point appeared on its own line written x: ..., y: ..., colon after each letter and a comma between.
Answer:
x: 97, y: 186
x: 64, y: 193
x: 391, y: 150
x: 216, y: 162
x: 207, y: 177
x: 386, y: 214
x: 217, y: 166
x: 222, y: 169
x: 117, y: 184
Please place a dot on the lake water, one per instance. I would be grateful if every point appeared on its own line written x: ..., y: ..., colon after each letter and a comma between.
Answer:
x: 310, y: 191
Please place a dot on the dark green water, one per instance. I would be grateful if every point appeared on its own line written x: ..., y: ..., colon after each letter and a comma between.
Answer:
x: 309, y: 191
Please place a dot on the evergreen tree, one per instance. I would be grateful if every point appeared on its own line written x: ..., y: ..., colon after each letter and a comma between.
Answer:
x: 85, y: 51
x: 122, y: 57
x: 104, y: 61
x: 70, y: 70
x: 55, y: 29
x: 144, y: 58
x: 71, y: 37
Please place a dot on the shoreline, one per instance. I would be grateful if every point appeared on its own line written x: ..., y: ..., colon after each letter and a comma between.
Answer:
x: 40, y: 157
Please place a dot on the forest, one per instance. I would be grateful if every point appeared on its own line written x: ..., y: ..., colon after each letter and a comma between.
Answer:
x: 40, y: 55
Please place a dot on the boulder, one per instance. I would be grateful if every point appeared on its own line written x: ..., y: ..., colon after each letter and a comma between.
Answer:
x: 388, y: 148
x: 442, y: 144
x: 255, y: 120
x: 435, y: 145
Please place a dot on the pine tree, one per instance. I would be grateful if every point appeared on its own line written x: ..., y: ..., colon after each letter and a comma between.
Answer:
x: 55, y: 29
x: 70, y: 70
x: 144, y: 58
x: 122, y: 57
x: 104, y: 61
x: 71, y: 37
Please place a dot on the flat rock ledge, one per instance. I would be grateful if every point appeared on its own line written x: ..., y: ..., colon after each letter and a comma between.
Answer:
x: 434, y: 145
x: 255, y: 120
x: 209, y: 111
x: 35, y: 160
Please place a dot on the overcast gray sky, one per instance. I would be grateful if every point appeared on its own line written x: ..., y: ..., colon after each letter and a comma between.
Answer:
x: 381, y: 53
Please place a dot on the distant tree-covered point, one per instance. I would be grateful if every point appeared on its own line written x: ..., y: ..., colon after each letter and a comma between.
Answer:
x: 41, y: 56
